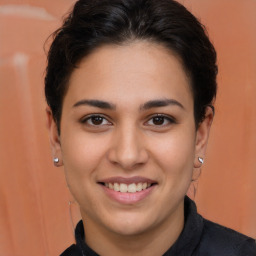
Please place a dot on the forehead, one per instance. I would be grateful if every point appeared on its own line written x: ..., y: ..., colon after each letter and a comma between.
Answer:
x: 130, y: 73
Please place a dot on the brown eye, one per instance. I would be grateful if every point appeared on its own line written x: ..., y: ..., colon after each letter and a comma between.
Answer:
x: 95, y: 120
x: 158, y: 120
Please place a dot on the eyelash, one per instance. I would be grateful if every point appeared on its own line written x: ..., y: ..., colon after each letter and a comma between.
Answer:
x: 90, y: 117
x: 169, y: 119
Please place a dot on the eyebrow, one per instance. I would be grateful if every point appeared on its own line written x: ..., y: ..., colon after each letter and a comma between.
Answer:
x: 95, y: 103
x: 148, y: 105
x: 160, y: 103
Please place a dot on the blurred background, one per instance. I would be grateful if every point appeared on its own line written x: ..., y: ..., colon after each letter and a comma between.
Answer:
x: 35, y: 216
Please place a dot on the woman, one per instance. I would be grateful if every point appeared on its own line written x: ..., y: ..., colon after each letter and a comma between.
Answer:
x: 130, y: 86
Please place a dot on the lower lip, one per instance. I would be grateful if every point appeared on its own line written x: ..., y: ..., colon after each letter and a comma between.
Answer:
x: 128, y: 198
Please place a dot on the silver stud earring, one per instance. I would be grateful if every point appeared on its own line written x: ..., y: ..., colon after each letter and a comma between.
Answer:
x: 201, y: 160
x: 56, y: 160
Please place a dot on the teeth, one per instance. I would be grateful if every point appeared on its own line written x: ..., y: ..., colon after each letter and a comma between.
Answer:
x: 116, y: 187
x: 123, y: 188
x: 130, y: 188
x: 139, y: 187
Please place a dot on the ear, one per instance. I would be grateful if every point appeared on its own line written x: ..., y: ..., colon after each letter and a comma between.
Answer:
x: 54, y: 138
x: 202, y: 136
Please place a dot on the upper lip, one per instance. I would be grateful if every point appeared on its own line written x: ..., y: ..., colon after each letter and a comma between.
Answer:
x: 127, y: 180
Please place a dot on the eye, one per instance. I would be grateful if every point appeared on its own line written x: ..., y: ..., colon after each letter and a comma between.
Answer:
x: 160, y: 120
x: 95, y: 120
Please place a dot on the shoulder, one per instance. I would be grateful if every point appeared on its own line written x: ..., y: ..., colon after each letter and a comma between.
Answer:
x: 72, y: 251
x: 222, y: 241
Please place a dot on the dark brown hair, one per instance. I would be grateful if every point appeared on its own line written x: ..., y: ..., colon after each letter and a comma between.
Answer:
x: 92, y: 24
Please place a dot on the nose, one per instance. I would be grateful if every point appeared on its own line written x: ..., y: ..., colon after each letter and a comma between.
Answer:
x: 128, y: 149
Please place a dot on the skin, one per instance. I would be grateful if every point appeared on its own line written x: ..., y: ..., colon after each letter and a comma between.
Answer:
x: 130, y: 141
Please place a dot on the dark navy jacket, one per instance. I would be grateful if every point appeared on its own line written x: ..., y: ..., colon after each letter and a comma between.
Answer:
x: 199, y: 237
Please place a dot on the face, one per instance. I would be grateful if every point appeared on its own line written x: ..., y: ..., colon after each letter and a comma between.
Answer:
x: 128, y: 141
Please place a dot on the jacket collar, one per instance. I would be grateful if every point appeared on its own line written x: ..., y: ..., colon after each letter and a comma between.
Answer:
x: 191, y: 234
x: 185, y: 245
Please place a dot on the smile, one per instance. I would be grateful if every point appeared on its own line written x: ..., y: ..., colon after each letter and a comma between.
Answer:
x: 130, y: 188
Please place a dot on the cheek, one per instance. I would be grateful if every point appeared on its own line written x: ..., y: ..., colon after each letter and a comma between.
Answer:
x: 175, y: 155
x: 81, y: 156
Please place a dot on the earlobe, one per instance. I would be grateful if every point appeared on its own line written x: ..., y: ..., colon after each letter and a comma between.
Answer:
x: 202, y: 136
x: 54, y: 138
x: 198, y: 162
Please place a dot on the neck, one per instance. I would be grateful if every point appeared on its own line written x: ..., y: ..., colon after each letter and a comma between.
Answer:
x: 153, y: 242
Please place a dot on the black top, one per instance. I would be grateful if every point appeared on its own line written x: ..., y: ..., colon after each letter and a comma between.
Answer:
x: 199, y: 237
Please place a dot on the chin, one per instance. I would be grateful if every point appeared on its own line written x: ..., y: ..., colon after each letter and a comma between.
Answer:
x: 131, y: 225
x: 129, y: 230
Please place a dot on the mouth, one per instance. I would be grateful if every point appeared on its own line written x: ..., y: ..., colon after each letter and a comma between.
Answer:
x: 127, y: 187
x: 128, y: 190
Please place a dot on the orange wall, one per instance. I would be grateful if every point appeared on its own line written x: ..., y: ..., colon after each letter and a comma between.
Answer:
x: 34, y: 210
